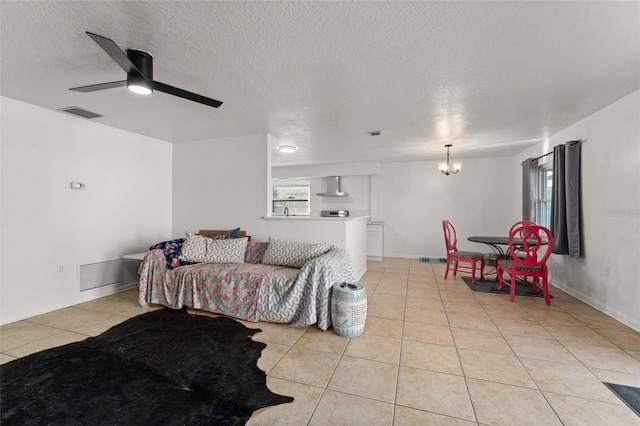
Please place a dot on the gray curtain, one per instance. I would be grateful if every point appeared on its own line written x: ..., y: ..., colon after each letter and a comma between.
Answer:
x: 565, y: 199
x: 529, y: 188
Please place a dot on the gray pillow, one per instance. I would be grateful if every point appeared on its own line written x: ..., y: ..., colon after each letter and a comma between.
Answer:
x: 194, y: 248
x: 226, y: 251
x: 294, y: 255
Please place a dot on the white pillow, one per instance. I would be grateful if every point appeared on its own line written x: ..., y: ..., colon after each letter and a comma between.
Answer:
x: 194, y: 248
x: 226, y: 251
x: 294, y: 255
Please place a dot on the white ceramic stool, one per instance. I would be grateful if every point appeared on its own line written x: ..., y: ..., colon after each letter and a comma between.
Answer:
x: 348, y: 309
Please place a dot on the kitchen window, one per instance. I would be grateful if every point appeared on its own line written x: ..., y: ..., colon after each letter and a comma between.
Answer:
x: 291, y: 200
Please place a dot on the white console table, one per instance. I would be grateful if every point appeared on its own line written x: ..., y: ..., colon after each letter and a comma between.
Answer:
x: 135, y: 256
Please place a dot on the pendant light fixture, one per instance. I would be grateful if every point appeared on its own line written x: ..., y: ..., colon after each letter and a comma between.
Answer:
x: 444, y: 166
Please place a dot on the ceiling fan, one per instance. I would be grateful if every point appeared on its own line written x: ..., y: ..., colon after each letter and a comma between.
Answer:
x: 139, y: 68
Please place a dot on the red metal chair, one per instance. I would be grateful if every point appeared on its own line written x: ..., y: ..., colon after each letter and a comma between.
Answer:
x: 534, y: 242
x: 455, y: 256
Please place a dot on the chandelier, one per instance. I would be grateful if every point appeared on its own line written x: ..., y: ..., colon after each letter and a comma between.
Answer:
x: 444, y: 166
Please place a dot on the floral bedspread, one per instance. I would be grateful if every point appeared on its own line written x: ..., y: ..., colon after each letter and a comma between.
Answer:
x: 252, y: 292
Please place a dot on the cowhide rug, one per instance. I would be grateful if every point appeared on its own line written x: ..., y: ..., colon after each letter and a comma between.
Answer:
x: 164, y: 367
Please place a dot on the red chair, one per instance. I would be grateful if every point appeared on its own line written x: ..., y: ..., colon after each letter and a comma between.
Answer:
x: 455, y: 256
x: 515, y: 226
x: 534, y: 243
x: 521, y: 223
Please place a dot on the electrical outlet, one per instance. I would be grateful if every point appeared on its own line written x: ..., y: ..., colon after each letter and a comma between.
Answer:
x: 606, y: 270
x: 60, y: 268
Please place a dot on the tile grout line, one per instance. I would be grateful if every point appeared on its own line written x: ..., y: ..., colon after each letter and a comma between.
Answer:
x: 464, y: 377
x: 395, y: 394
x: 558, y: 417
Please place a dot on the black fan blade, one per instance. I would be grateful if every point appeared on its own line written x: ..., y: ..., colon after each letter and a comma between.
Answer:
x: 114, y: 51
x: 101, y: 86
x: 186, y: 95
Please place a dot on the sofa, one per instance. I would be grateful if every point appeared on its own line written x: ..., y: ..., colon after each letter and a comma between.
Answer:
x: 276, y: 281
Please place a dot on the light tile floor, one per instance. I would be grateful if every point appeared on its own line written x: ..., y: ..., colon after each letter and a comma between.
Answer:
x: 433, y: 352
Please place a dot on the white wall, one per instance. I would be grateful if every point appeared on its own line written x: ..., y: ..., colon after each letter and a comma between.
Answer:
x: 329, y: 169
x: 610, y: 208
x: 358, y: 187
x: 221, y: 184
x: 414, y: 198
x: 224, y: 184
x: 125, y: 207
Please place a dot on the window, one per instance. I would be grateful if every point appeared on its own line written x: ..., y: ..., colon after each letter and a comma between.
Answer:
x: 291, y: 200
x: 545, y: 186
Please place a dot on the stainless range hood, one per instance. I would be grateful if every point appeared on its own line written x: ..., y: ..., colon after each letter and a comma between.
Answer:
x: 334, y: 188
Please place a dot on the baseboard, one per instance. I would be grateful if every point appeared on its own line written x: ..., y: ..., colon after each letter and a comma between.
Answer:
x: 618, y: 316
x: 83, y: 296
x: 360, y: 274
x: 404, y: 256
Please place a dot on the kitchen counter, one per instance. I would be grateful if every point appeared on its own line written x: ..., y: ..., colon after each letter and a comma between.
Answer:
x: 349, y: 233
x: 333, y: 219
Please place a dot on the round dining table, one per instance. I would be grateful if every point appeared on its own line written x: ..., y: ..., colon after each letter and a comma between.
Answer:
x: 496, y: 243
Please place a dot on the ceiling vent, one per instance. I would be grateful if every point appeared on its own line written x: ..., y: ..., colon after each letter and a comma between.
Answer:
x: 375, y: 133
x: 79, y: 112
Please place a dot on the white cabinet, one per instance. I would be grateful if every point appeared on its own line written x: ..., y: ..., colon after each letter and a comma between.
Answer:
x: 375, y: 240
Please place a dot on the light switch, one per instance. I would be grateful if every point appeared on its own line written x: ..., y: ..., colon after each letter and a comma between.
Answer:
x: 77, y: 185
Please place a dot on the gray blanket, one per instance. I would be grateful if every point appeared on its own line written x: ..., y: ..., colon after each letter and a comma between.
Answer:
x: 253, y: 292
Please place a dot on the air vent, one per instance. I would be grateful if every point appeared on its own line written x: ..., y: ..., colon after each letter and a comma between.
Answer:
x: 100, y: 274
x: 79, y: 112
x: 375, y: 133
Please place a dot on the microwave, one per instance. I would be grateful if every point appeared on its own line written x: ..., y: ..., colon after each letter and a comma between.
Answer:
x: 334, y: 213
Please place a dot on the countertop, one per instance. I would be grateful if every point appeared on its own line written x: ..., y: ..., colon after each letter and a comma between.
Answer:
x: 333, y: 219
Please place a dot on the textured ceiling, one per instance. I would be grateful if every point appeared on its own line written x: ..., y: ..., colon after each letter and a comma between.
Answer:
x: 492, y: 78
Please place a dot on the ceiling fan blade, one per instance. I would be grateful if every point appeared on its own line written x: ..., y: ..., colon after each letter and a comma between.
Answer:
x: 161, y: 87
x: 115, y: 52
x: 101, y: 86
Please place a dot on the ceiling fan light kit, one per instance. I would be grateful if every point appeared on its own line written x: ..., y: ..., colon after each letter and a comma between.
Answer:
x: 139, y: 68
x: 141, y: 83
x: 139, y: 87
